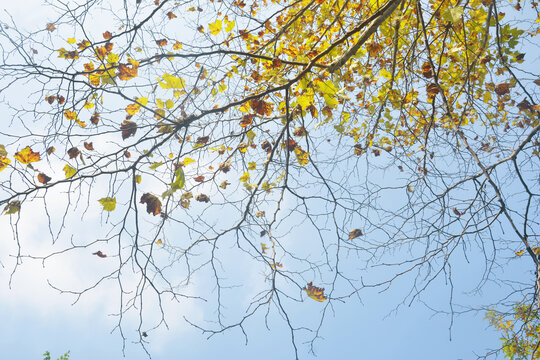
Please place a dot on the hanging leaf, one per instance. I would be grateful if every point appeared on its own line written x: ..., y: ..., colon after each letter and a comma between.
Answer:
x: 202, y: 198
x: 69, y: 171
x: 13, y: 207
x: 109, y: 203
x: 153, y: 205
x: 88, y: 146
x: 73, y: 152
x: 128, y: 128
x: 355, y: 233
x: 4, y: 162
x: 314, y: 292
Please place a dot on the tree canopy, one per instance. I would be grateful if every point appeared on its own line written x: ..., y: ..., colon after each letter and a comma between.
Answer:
x: 280, y: 151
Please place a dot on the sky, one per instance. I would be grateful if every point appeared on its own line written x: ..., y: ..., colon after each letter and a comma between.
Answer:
x: 36, y: 318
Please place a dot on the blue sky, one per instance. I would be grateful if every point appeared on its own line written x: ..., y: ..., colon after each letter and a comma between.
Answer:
x: 36, y: 318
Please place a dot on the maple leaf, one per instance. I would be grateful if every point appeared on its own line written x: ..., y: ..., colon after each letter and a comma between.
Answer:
x: 69, y: 171
x: 215, y: 27
x: 27, y: 156
x: 50, y: 150
x: 42, y: 178
x: 107, y: 35
x: 88, y: 146
x: 355, y: 233
x: 224, y: 184
x: 100, y: 254
x: 109, y: 203
x: 128, y: 128
x: 73, y: 152
x: 314, y: 292
x: 153, y: 205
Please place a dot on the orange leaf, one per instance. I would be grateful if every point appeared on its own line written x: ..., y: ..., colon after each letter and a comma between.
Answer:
x: 261, y: 107
x: 125, y: 72
x: 502, y: 89
x: 314, y: 292
x: 50, y: 27
x: 153, y: 205
x: 170, y: 15
x: 355, y: 233
x: 88, y: 146
x: 199, y: 178
x: 4, y: 162
x: 107, y: 35
x: 94, y: 119
x: 42, y: 178
x: 246, y: 120
x: 161, y: 42
x: 27, y: 156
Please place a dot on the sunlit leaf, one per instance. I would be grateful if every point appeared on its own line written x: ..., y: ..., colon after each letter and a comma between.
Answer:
x: 314, y: 292
x: 215, y: 27
x: 69, y: 171
x: 4, y: 162
x: 355, y: 233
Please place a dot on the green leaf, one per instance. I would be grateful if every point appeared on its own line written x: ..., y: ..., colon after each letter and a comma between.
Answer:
x: 179, y: 180
x: 155, y: 165
x: 109, y: 203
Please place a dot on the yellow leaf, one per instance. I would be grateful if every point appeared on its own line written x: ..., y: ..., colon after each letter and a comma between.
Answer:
x: 177, y: 45
x: 252, y: 165
x: 109, y: 203
x: 71, y: 41
x: 138, y: 179
x: 69, y: 171
x: 188, y: 161
x: 27, y: 156
x: 229, y: 25
x: 215, y: 28
x: 171, y: 82
x: 244, y: 177
x: 4, y: 162
x: 169, y: 104
x: 159, y: 103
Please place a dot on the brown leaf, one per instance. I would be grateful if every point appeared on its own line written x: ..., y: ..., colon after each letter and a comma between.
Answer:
x: 202, y: 198
x: 261, y: 107
x: 153, y: 205
x: 377, y: 152
x: 225, y: 167
x: 161, y: 42
x: 199, y: 178
x: 127, y: 154
x: 128, y: 128
x: 426, y: 70
x: 42, y: 178
x: 502, y: 89
x: 100, y: 254
x: 267, y: 147
x: 94, y: 119
x: 300, y: 131
x: 524, y: 105
x: 50, y: 27
x: 88, y: 146
x: 50, y: 150
x: 201, y: 140
x: 171, y: 15
x: 73, y: 152
x: 107, y: 35
x: 246, y: 120
x: 457, y: 212
x: 432, y: 90
x: 537, y: 81
x: 353, y: 234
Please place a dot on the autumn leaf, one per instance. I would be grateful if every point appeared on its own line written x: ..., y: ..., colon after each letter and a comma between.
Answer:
x: 73, y: 152
x: 161, y: 42
x: 432, y: 90
x: 100, y: 254
x: 314, y: 292
x: 502, y: 89
x: 128, y: 128
x: 260, y: 214
x: 224, y: 184
x: 3, y: 152
x: 266, y: 146
x: 4, y: 162
x: 355, y: 233
x: 50, y: 150
x: 426, y: 70
x: 246, y: 120
x: 88, y: 146
x: 153, y: 205
x: 109, y: 203
x: 126, y: 72
x: 107, y: 35
x: 177, y: 45
x: 50, y: 27
x: 13, y: 207
x: 171, y: 15
x: 300, y: 131
x: 301, y: 156
x: 261, y: 107
x: 94, y: 119
x: 199, y: 178
x: 215, y: 28
x: 519, y: 253
x: 159, y: 242
x: 201, y: 140
x: 202, y: 198
x: 457, y: 212
x: 69, y: 171
x: 264, y: 248
x: 44, y: 179
x: 27, y: 156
